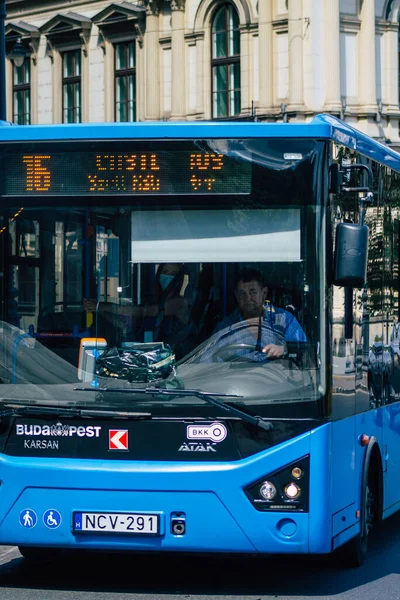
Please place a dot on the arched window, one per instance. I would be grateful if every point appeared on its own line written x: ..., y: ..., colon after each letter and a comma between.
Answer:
x: 225, y: 63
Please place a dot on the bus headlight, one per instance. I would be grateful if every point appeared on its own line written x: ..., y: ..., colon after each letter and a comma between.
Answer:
x: 268, y: 490
x: 285, y: 490
x: 292, y: 491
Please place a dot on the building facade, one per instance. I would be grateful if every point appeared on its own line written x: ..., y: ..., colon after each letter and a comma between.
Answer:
x: 146, y: 60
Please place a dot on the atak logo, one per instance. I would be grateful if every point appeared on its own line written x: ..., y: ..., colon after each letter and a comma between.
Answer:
x: 216, y: 432
x: 197, y: 447
x: 58, y: 430
x: 118, y: 439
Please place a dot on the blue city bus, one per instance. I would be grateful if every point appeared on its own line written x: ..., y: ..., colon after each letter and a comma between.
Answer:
x: 199, y: 337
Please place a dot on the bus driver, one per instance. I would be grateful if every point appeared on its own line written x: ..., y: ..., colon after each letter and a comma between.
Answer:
x: 278, y: 325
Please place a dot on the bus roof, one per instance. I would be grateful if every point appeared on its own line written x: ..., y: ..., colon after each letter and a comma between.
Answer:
x: 323, y: 126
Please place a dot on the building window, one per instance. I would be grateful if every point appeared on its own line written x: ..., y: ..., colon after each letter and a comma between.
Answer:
x: 225, y: 62
x: 71, y: 83
x: 125, y: 81
x: 22, y: 93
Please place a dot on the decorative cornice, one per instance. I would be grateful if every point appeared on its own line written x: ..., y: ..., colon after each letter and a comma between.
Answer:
x: 248, y: 27
x: 165, y: 41
x: 382, y: 26
x: 349, y: 23
x: 119, y: 14
x: 280, y: 25
x: 193, y: 37
x: 119, y: 19
x: 139, y: 32
x: 67, y: 30
x: 177, y: 4
x: 68, y: 22
x: 152, y: 7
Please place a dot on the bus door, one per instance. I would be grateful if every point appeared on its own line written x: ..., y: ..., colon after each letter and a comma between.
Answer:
x: 343, y: 370
x: 343, y: 401
x: 391, y: 353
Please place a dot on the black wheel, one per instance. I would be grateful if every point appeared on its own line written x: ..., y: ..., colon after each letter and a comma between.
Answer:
x: 354, y: 552
x: 39, y: 554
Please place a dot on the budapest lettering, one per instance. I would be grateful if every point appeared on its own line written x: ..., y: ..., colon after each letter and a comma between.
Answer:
x: 58, y: 430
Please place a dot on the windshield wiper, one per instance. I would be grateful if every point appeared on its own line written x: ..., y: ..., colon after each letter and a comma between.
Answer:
x: 210, y: 397
x: 7, y: 410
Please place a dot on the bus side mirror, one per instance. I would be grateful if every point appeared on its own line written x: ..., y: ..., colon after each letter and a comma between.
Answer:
x: 351, y: 253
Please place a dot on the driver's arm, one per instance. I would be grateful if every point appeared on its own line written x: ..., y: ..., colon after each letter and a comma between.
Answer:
x: 273, y: 351
x: 293, y: 333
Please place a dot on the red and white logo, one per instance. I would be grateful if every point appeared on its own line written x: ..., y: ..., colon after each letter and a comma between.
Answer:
x: 118, y: 439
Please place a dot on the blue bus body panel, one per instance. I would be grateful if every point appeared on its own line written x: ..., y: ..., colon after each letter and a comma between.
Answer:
x: 161, y: 131
x: 323, y: 126
x: 343, y: 467
x: 219, y: 516
x: 391, y: 428
x: 320, y: 529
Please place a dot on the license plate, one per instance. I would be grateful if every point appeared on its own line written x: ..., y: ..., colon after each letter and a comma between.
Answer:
x: 133, y: 523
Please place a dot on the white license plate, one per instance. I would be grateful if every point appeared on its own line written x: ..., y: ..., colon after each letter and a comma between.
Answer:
x: 96, y: 522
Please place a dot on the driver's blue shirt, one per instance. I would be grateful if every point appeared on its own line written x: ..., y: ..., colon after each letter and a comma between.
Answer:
x: 277, y: 326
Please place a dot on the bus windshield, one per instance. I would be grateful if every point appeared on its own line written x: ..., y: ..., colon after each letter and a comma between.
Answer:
x: 180, y: 265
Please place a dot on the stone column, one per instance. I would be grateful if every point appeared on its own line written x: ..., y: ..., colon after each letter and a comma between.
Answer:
x: 57, y: 87
x: 245, y: 69
x: 109, y: 88
x: 332, y: 56
x: 152, y: 80
x: 201, y: 105
x: 391, y: 95
x: 367, y: 59
x: 178, y: 79
x: 296, y: 27
x: 140, y: 76
x: 265, y: 39
x: 85, y: 88
x: 34, y: 89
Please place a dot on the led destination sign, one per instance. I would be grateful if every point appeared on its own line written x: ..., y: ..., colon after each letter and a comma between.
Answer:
x: 102, y: 173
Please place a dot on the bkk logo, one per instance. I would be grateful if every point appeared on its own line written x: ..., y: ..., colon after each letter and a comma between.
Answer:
x: 58, y: 430
x: 215, y: 432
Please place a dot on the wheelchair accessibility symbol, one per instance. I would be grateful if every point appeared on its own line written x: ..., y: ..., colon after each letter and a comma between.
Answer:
x: 52, y: 518
x: 27, y: 518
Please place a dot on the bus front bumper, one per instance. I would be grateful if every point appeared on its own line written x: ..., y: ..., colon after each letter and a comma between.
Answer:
x: 45, y: 503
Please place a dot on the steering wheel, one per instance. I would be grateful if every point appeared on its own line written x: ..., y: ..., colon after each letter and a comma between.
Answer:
x: 229, y: 351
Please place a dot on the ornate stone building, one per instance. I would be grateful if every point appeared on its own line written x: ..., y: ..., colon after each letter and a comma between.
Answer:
x: 148, y: 60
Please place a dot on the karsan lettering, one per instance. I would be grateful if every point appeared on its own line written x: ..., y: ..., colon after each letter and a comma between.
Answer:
x: 58, y: 430
x: 42, y: 444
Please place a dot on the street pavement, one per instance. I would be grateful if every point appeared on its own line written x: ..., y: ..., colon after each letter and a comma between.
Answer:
x: 176, y: 577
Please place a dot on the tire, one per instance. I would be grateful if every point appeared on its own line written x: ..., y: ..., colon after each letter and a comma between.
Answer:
x: 39, y: 554
x: 354, y: 552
